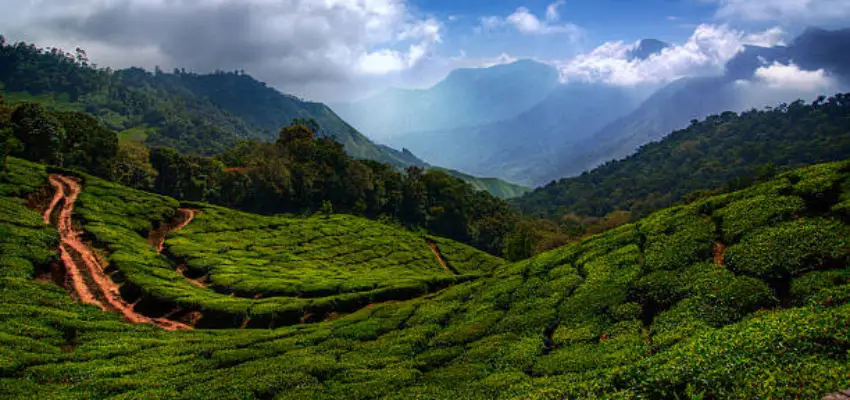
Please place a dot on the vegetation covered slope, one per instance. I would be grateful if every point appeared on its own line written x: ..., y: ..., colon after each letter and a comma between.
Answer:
x: 299, y: 173
x: 193, y: 113
x: 494, y: 186
x: 262, y: 271
x: 706, y: 156
x: 742, y: 295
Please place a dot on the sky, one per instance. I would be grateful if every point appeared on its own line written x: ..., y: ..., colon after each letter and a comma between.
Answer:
x: 339, y: 50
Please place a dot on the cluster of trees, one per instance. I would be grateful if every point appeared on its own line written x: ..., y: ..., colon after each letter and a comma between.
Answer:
x: 64, y: 138
x: 721, y: 153
x: 299, y: 173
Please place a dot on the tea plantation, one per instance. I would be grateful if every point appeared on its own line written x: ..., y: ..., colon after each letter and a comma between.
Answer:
x: 744, y: 295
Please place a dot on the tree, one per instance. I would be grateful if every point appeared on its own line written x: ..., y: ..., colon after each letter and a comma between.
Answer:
x: 39, y: 132
x: 132, y: 166
x: 87, y: 145
x: 521, y: 242
x: 9, y: 145
x: 327, y: 208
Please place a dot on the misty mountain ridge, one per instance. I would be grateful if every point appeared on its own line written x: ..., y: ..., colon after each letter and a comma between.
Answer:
x: 436, y: 123
x: 466, y: 97
x: 675, y: 105
x: 579, y: 125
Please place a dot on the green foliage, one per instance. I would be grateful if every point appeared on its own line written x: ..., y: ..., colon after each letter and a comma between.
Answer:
x: 367, y: 310
x: 88, y: 145
x: 755, y: 212
x: 722, y: 152
x: 193, y: 113
x: 39, y: 132
x: 520, y: 243
x: 791, y: 248
x: 676, y: 237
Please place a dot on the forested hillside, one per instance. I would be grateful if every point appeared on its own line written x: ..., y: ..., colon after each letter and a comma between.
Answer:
x: 742, y: 295
x: 193, y: 113
x: 727, y: 150
x: 299, y: 173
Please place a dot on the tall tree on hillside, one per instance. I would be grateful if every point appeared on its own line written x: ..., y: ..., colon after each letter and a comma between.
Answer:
x: 8, y: 143
x: 39, y: 132
x: 87, y: 145
x: 132, y: 166
x: 415, y: 198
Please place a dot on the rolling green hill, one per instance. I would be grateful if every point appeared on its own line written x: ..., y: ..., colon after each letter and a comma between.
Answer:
x: 741, y: 295
x: 708, y: 155
x: 193, y: 113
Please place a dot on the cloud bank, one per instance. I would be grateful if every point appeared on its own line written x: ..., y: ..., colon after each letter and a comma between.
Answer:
x: 285, y: 42
x: 704, y: 53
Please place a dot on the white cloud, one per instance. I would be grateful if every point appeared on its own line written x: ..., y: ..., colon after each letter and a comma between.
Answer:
x: 776, y: 83
x: 704, y: 53
x: 805, y: 11
x: 792, y: 77
x: 292, y: 44
x: 527, y: 23
x: 769, y: 38
x: 552, y: 13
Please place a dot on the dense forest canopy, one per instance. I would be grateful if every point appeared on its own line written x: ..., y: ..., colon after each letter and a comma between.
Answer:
x: 727, y: 150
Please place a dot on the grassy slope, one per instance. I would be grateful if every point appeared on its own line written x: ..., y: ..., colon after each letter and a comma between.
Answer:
x: 639, y: 311
x: 495, y: 186
x: 278, y: 268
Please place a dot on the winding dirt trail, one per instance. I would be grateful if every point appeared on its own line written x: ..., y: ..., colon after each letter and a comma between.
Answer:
x: 157, y: 240
x: 86, y: 278
x: 157, y: 237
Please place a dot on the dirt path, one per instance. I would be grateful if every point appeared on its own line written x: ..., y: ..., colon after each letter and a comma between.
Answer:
x: 719, y: 253
x: 439, y: 257
x: 85, y: 276
x: 157, y: 239
x: 157, y: 236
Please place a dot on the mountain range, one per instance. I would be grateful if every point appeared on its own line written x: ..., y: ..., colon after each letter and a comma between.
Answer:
x: 193, y: 113
x: 576, y: 126
x: 466, y: 97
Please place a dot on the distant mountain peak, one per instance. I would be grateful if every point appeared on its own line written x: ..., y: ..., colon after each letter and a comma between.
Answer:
x: 646, y: 48
x: 525, y: 65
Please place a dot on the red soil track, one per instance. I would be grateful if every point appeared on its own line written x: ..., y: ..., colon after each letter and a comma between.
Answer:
x: 85, y: 276
x: 157, y: 237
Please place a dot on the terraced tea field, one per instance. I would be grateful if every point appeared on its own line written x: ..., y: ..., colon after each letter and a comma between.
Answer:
x: 743, y: 295
x: 222, y: 268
